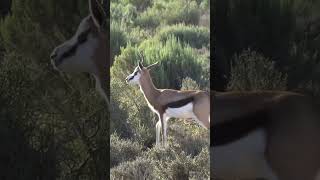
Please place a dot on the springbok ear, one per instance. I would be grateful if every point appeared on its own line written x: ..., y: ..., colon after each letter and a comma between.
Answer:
x: 97, y: 13
x: 150, y: 66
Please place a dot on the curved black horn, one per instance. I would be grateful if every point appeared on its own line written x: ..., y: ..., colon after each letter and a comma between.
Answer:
x: 141, y: 60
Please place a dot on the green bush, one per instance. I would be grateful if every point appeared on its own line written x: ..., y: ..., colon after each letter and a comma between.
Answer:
x: 123, y: 150
x: 138, y: 35
x: 190, y: 136
x: 118, y: 39
x: 174, y: 163
x: 140, y: 168
x: 196, y: 37
x: 169, y: 12
x: 124, y: 13
x: 189, y: 84
x: 148, y: 19
x: 252, y: 71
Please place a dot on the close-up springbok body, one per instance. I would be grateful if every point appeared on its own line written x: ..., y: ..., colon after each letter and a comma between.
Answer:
x: 272, y: 135
x: 88, y: 50
x: 169, y: 103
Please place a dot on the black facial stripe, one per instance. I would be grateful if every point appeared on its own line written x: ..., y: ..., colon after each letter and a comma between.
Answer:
x: 130, y: 78
x: 80, y: 40
x: 83, y: 37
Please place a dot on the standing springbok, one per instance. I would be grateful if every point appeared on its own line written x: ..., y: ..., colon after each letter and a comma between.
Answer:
x: 270, y: 135
x: 88, y: 50
x: 167, y: 103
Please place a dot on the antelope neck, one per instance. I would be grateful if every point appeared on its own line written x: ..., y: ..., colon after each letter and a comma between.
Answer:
x: 148, y: 89
x: 102, y: 85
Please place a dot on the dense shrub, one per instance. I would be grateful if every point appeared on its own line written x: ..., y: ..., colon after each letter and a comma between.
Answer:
x: 196, y: 37
x: 189, y: 84
x: 148, y: 19
x: 252, y: 71
x: 173, y: 163
x: 124, y: 13
x: 118, y: 39
x: 123, y: 150
x: 169, y: 12
x: 140, y: 168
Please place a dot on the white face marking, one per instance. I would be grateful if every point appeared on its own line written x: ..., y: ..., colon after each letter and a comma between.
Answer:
x: 81, y: 59
x: 243, y: 159
x: 134, y: 78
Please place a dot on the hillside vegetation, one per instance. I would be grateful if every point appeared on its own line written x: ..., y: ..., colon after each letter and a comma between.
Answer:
x: 175, y: 34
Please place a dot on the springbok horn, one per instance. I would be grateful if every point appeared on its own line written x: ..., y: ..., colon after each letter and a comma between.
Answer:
x: 150, y: 66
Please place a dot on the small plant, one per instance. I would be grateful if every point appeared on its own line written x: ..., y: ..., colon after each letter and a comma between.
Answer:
x: 252, y: 71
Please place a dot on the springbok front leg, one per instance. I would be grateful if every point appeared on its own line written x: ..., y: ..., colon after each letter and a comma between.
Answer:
x: 158, y: 129
x: 161, y: 126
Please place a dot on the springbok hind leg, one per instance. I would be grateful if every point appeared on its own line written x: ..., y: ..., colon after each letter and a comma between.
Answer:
x: 165, y: 124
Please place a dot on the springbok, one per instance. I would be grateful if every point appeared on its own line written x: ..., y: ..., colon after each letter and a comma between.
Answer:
x: 88, y: 50
x: 167, y: 103
x: 270, y: 134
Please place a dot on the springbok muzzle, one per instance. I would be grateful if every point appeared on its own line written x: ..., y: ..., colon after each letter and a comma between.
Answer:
x: 129, y: 78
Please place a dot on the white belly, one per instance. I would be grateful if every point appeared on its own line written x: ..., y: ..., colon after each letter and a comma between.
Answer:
x: 181, y: 112
x: 242, y: 159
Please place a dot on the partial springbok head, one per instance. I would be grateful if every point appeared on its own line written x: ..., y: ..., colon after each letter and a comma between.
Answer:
x: 87, y: 50
x: 139, y: 71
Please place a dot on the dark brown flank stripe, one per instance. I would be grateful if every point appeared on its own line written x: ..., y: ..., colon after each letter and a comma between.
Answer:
x: 237, y: 128
x: 178, y: 104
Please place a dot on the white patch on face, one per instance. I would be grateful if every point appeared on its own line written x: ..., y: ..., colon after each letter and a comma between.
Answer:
x: 243, y: 159
x: 82, y: 59
x: 134, y: 78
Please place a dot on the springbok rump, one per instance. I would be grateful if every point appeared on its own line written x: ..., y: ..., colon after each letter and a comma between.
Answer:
x: 269, y: 135
x: 88, y: 50
x: 168, y: 103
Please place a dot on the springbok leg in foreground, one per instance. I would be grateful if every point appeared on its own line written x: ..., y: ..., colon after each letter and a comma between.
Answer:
x: 167, y: 103
x: 268, y: 134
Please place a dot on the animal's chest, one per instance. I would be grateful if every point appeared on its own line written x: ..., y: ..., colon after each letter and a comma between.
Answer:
x: 185, y: 111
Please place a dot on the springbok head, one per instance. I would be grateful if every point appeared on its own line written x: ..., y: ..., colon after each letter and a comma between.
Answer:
x: 139, y: 71
x: 87, y: 50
